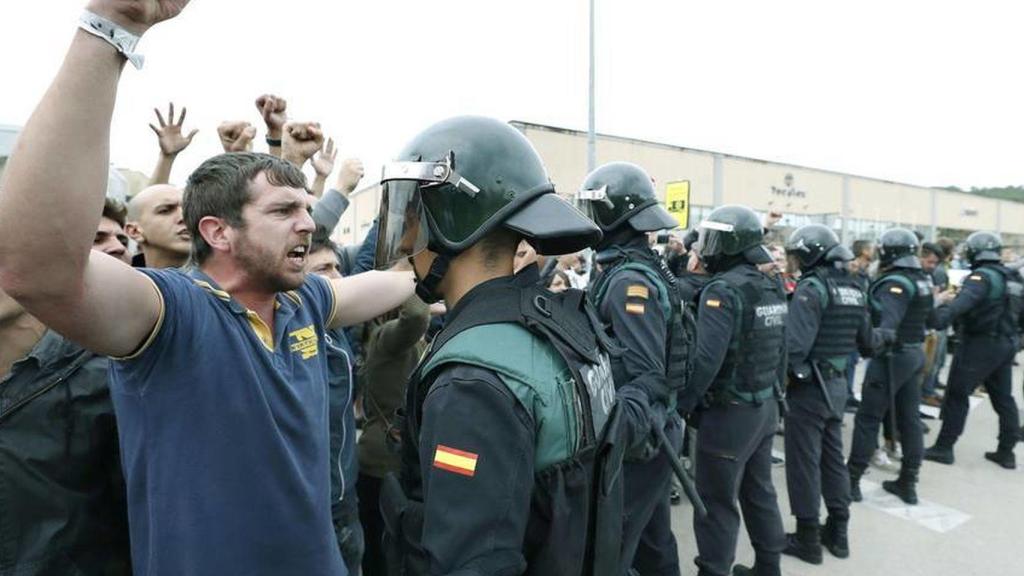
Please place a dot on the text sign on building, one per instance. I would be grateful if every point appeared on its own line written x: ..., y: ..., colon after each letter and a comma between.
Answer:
x: 677, y: 201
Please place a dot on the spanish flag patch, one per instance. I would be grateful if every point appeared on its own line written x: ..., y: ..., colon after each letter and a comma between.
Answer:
x: 635, y: 308
x: 455, y: 461
x: 637, y: 291
x: 713, y: 303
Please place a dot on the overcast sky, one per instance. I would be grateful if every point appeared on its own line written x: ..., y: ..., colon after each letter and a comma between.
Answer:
x: 922, y: 92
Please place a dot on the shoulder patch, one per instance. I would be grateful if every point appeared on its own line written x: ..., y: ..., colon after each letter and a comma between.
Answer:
x: 974, y: 277
x: 636, y: 308
x: 896, y: 290
x: 713, y: 303
x: 457, y: 461
x: 637, y: 291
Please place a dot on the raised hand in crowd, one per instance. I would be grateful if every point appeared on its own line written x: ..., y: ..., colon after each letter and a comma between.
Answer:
x: 323, y: 165
x: 137, y: 16
x: 172, y: 141
x: 274, y: 111
x: 351, y: 173
x: 236, y: 136
x: 301, y: 141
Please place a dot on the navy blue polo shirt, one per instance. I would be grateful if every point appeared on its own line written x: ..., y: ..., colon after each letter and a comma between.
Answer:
x: 224, y: 434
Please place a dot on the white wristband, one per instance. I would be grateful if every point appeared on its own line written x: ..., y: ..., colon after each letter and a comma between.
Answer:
x: 118, y: 37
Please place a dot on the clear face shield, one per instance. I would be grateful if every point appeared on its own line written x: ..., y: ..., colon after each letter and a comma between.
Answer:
x: 711, y: 237
x: 588, y: 200
x: 402, y: 229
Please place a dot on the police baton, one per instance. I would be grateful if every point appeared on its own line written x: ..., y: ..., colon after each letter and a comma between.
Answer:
x: 691, y: 491
x: 821, y: 386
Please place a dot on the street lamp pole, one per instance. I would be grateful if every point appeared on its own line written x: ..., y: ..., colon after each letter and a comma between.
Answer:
x: 591, y: 136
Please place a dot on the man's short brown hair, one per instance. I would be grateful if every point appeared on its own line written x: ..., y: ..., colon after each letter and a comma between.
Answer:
x: 115, y: 210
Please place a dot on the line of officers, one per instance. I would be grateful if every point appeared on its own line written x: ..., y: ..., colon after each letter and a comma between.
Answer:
x: 559, y: 459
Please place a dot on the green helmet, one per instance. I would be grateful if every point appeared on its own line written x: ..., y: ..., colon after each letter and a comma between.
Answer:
x: 814, y: 244
x: 463, y: 178
x: 983, y: 246
x: 622, y: 193
x: 731, y: 233
x: 898, y: 247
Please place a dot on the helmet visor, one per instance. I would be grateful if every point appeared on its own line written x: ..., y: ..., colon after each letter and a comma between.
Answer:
x: 587, y: 200
x: 713, y: 238
x: 402, y: 230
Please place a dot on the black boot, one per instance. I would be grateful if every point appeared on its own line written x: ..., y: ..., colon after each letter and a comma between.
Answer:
x: 940, y: 454
x: 805, y: 543
x: 834, y: 536
x: 1004, y: 458
x: 757, y: 570
x: 905, y: 486
x: 855, y: 475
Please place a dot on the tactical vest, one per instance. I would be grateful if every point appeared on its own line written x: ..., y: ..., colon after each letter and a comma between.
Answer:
x: 750, y: 370
x: 680, y: 337
x: 549, y: 351
x: 918, y: 286
x: 844, y: 305
x: 999, y: 314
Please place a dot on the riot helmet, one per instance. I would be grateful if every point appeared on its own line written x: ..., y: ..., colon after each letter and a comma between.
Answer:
x: 982, y: 247
x: 815, y: 244
x: 621, y: 193
x: 897, y: 247
x: 461, y: 179
x: 731, y: 234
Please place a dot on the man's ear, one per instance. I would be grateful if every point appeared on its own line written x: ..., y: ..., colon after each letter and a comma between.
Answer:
x: 134, y: 231
x: 216, y: 232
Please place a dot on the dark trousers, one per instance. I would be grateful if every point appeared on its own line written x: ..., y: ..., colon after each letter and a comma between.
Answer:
x: 648, y: 545
x: 980, y: 360
x: 734, y: 462
x: 349, y: 531
x: 815, y: 462
x: 907, y: 367
x: 368, y: 488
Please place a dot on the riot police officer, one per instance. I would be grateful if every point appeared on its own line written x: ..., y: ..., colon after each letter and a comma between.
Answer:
x: 740, y: 363
x: 900, y: 302
x: 513, y: 433
x: 639, y: 300
x: 827, y: 323
x: 988, y: 309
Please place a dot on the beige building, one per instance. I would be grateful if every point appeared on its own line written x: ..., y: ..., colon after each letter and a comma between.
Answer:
x: 855, y: 206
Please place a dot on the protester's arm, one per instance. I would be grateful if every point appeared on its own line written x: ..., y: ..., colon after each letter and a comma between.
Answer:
x: 400, y: 334
x: 274, y: 111
x: 327, y: 212
x: 85, y: 295
x: 171, y: 142
x: 323, y: 165
x: 361, y: 297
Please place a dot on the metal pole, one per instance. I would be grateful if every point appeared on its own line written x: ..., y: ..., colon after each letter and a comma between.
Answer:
x: 591, y: 136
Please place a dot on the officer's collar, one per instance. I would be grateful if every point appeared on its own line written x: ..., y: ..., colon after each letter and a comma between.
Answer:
x: 480, y: 291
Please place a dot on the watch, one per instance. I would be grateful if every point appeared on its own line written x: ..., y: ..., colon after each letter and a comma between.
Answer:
x: 114, y: 34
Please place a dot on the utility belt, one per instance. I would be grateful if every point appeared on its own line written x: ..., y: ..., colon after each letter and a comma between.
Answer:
x: 906, y: 347
x: 726, y: 397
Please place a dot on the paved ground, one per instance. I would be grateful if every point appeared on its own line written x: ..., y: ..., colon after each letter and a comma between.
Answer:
x: 971, y: 521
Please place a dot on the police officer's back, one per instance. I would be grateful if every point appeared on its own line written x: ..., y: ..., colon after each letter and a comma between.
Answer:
x: 640, y: 301
x: 988, y: 310
x: 512, y: 420
x: 740, y: 365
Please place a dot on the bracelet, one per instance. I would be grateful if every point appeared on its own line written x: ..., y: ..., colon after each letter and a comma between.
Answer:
x: 113, y: 34
x: 273, y: 142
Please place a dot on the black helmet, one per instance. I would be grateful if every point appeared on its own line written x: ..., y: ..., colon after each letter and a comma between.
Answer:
x: 814, y: 244
x: 732, y: 232
x: 620, y: 193
x: 983, y: 247
x: 461, y: 179
x: 898, y: 247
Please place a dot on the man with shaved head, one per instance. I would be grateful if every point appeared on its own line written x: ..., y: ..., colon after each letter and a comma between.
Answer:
x: 156, y: 224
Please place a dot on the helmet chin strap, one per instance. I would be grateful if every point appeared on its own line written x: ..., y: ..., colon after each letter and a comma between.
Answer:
x: 426, y: 288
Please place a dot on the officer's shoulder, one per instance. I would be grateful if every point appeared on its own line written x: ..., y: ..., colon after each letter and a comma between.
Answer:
x: 809, y: 288
x: 633, y: 283
x: 717, y: 294
x: 896, y: 285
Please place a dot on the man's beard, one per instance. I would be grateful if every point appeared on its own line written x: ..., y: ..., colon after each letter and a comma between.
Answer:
x: 265, y: 268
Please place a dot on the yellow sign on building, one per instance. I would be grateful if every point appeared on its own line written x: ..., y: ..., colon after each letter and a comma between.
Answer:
x: 677, y: 201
